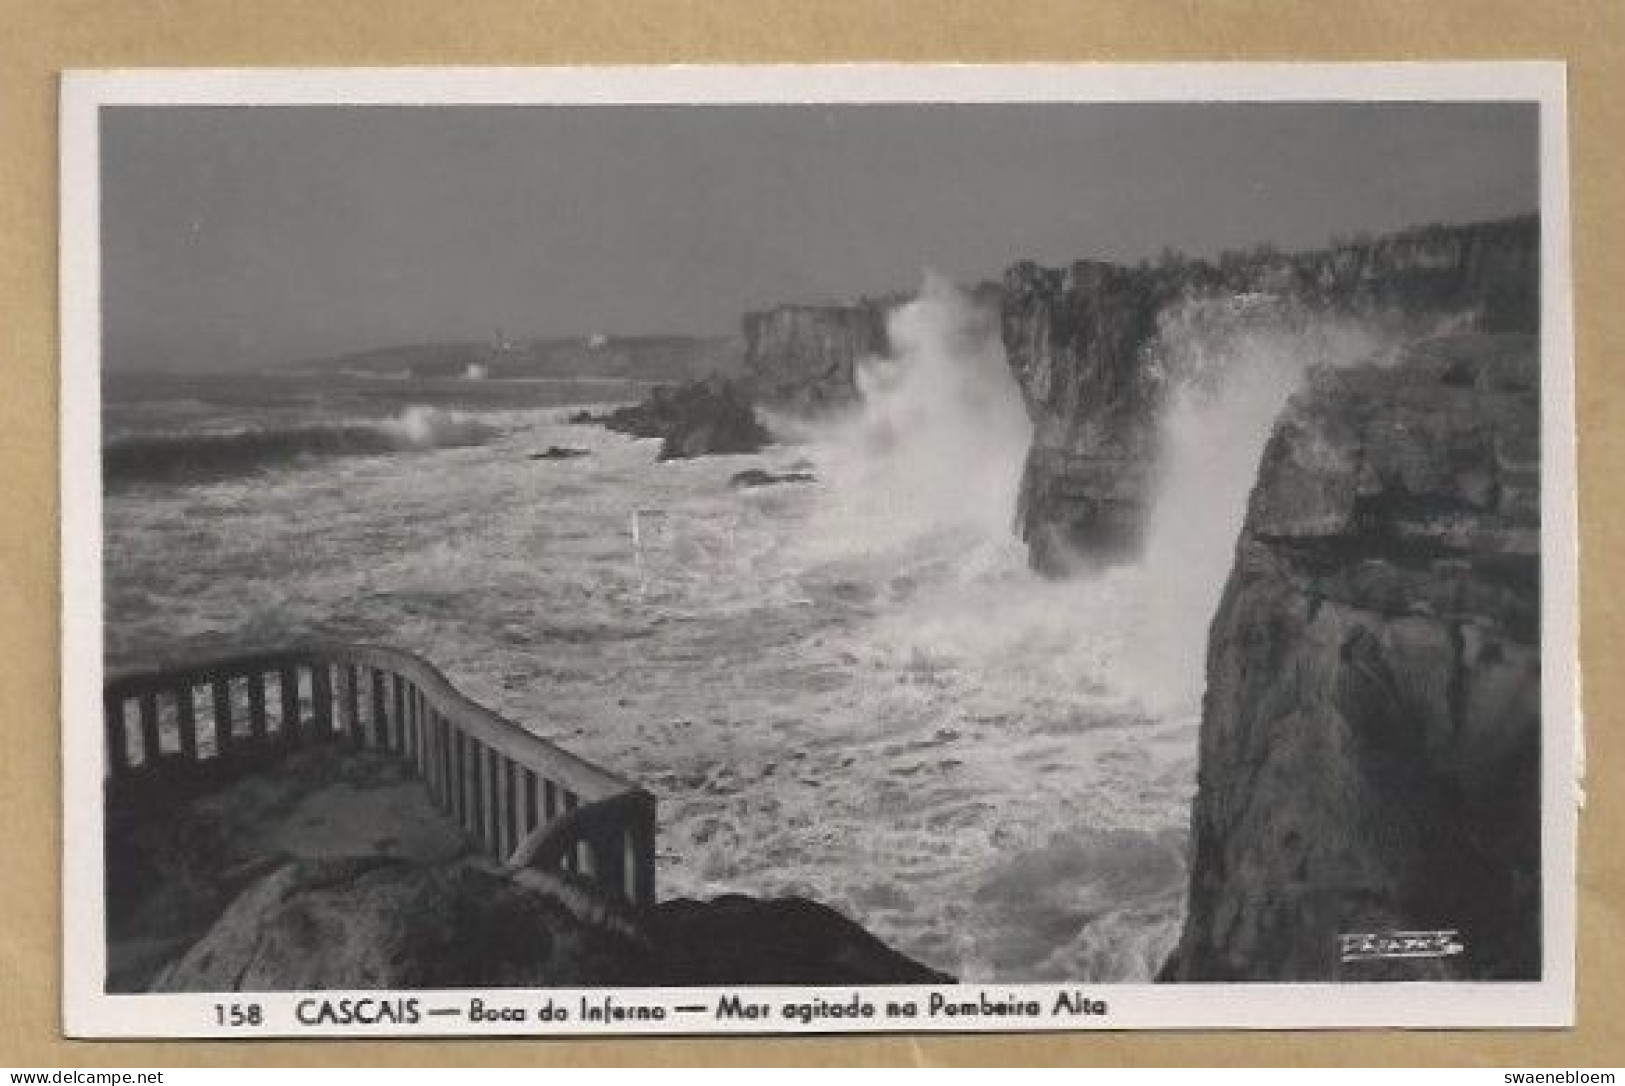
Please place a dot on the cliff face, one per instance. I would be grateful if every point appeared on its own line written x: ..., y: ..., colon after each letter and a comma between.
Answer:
x: 801, y: 360
x: 1370, y: 739
x: 1083, y: 344
x: 1074, y: 340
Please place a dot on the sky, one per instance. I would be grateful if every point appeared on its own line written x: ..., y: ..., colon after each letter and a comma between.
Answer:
x: 245, y: 237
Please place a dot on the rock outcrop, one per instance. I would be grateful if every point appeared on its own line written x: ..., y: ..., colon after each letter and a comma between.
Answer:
x: 799, y: 362
x: 736, y: 939
x: 378, y: 922
x: 700, y: 418
x: 752, y: 478
x: 1082, y: 343
x: 330, y: 868
x: 1370, y: 738
x: 184, y: 841
x: 802, y: 360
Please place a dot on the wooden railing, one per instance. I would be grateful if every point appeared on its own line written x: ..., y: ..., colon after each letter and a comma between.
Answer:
x: 518, y: 798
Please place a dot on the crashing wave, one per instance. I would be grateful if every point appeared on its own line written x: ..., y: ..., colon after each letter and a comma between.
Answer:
x: 201, y: 457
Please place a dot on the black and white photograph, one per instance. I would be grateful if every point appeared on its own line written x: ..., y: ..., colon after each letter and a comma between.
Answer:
x: 817, y: 549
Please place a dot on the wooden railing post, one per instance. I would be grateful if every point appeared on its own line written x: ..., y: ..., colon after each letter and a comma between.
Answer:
x: 640, y: 860
x: 118, y: 734
x: 221, y: 689
x: 608, y: 850
x: 408, y: 701
x: 572, y: 858
x: 256, y: 704
x: 471, y: 784
x: 465, y: 780
x: 441, y: 758
x: 352, y: 703
x: 186, y: 720
x: 430, y: 750
x: 454, y: 772
x: 448, y: 768
x: 435, y: 773
x: 493, y: 804
x: 291, y: 724
x: 398, y: 734
x: 321, y: 693
x: 482, y: 798
x: 510, y: 808
x: 502, y: 808
x: 149, y: 728
x: 531, y: 806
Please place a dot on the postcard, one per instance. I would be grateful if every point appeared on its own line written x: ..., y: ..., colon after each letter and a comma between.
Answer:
x: 813, y: 549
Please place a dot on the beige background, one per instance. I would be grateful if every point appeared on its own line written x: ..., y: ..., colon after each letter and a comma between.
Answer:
x: 38, y: 38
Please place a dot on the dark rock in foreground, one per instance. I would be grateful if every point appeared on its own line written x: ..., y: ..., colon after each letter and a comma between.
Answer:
x: 376, y: 922
x: 696, y: 419
x: 183, y: 845
x: 743, y: 940
x: 1083, y: 343
x: 1370, y: 741
x: 755, y: 477
x: 331, y: 868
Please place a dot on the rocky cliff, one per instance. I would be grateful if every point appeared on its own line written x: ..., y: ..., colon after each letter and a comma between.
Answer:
x: 1370, y: 738
x: 1084, y: 343
x: 801, y: 360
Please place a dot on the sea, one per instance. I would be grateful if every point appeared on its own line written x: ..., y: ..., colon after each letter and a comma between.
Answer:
x: 850, y: 688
